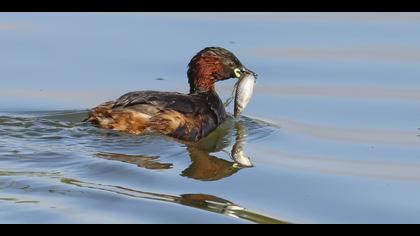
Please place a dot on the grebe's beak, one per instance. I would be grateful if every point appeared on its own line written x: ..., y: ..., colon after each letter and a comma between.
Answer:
x: 248, y: 71
x: 242, y: 72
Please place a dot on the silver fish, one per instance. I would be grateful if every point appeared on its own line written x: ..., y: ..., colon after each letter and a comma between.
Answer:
x: 243, y: 94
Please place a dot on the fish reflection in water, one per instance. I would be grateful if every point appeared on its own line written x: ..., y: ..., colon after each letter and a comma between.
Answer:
x: 204, y: 165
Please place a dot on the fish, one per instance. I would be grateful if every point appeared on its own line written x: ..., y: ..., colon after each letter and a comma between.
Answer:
x: 243, y: 94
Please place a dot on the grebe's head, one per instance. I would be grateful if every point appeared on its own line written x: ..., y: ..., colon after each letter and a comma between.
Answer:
x: 213, y: 64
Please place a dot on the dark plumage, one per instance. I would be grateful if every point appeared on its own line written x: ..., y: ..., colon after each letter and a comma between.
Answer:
x: 184, y: 116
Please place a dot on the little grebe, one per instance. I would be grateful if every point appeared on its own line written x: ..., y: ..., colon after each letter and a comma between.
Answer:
x: 187, y: 117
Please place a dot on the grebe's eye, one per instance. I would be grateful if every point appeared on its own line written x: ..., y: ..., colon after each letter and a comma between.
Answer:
x: 237, y: 72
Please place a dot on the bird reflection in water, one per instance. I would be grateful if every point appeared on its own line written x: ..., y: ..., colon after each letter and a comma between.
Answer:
x: 205, y: 166
x: 201, y: 201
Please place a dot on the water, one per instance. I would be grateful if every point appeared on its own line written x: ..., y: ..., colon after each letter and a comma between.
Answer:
x: 330, y: 136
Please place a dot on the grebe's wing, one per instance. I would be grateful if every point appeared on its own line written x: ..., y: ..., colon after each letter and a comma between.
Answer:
x: 151, y: 102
